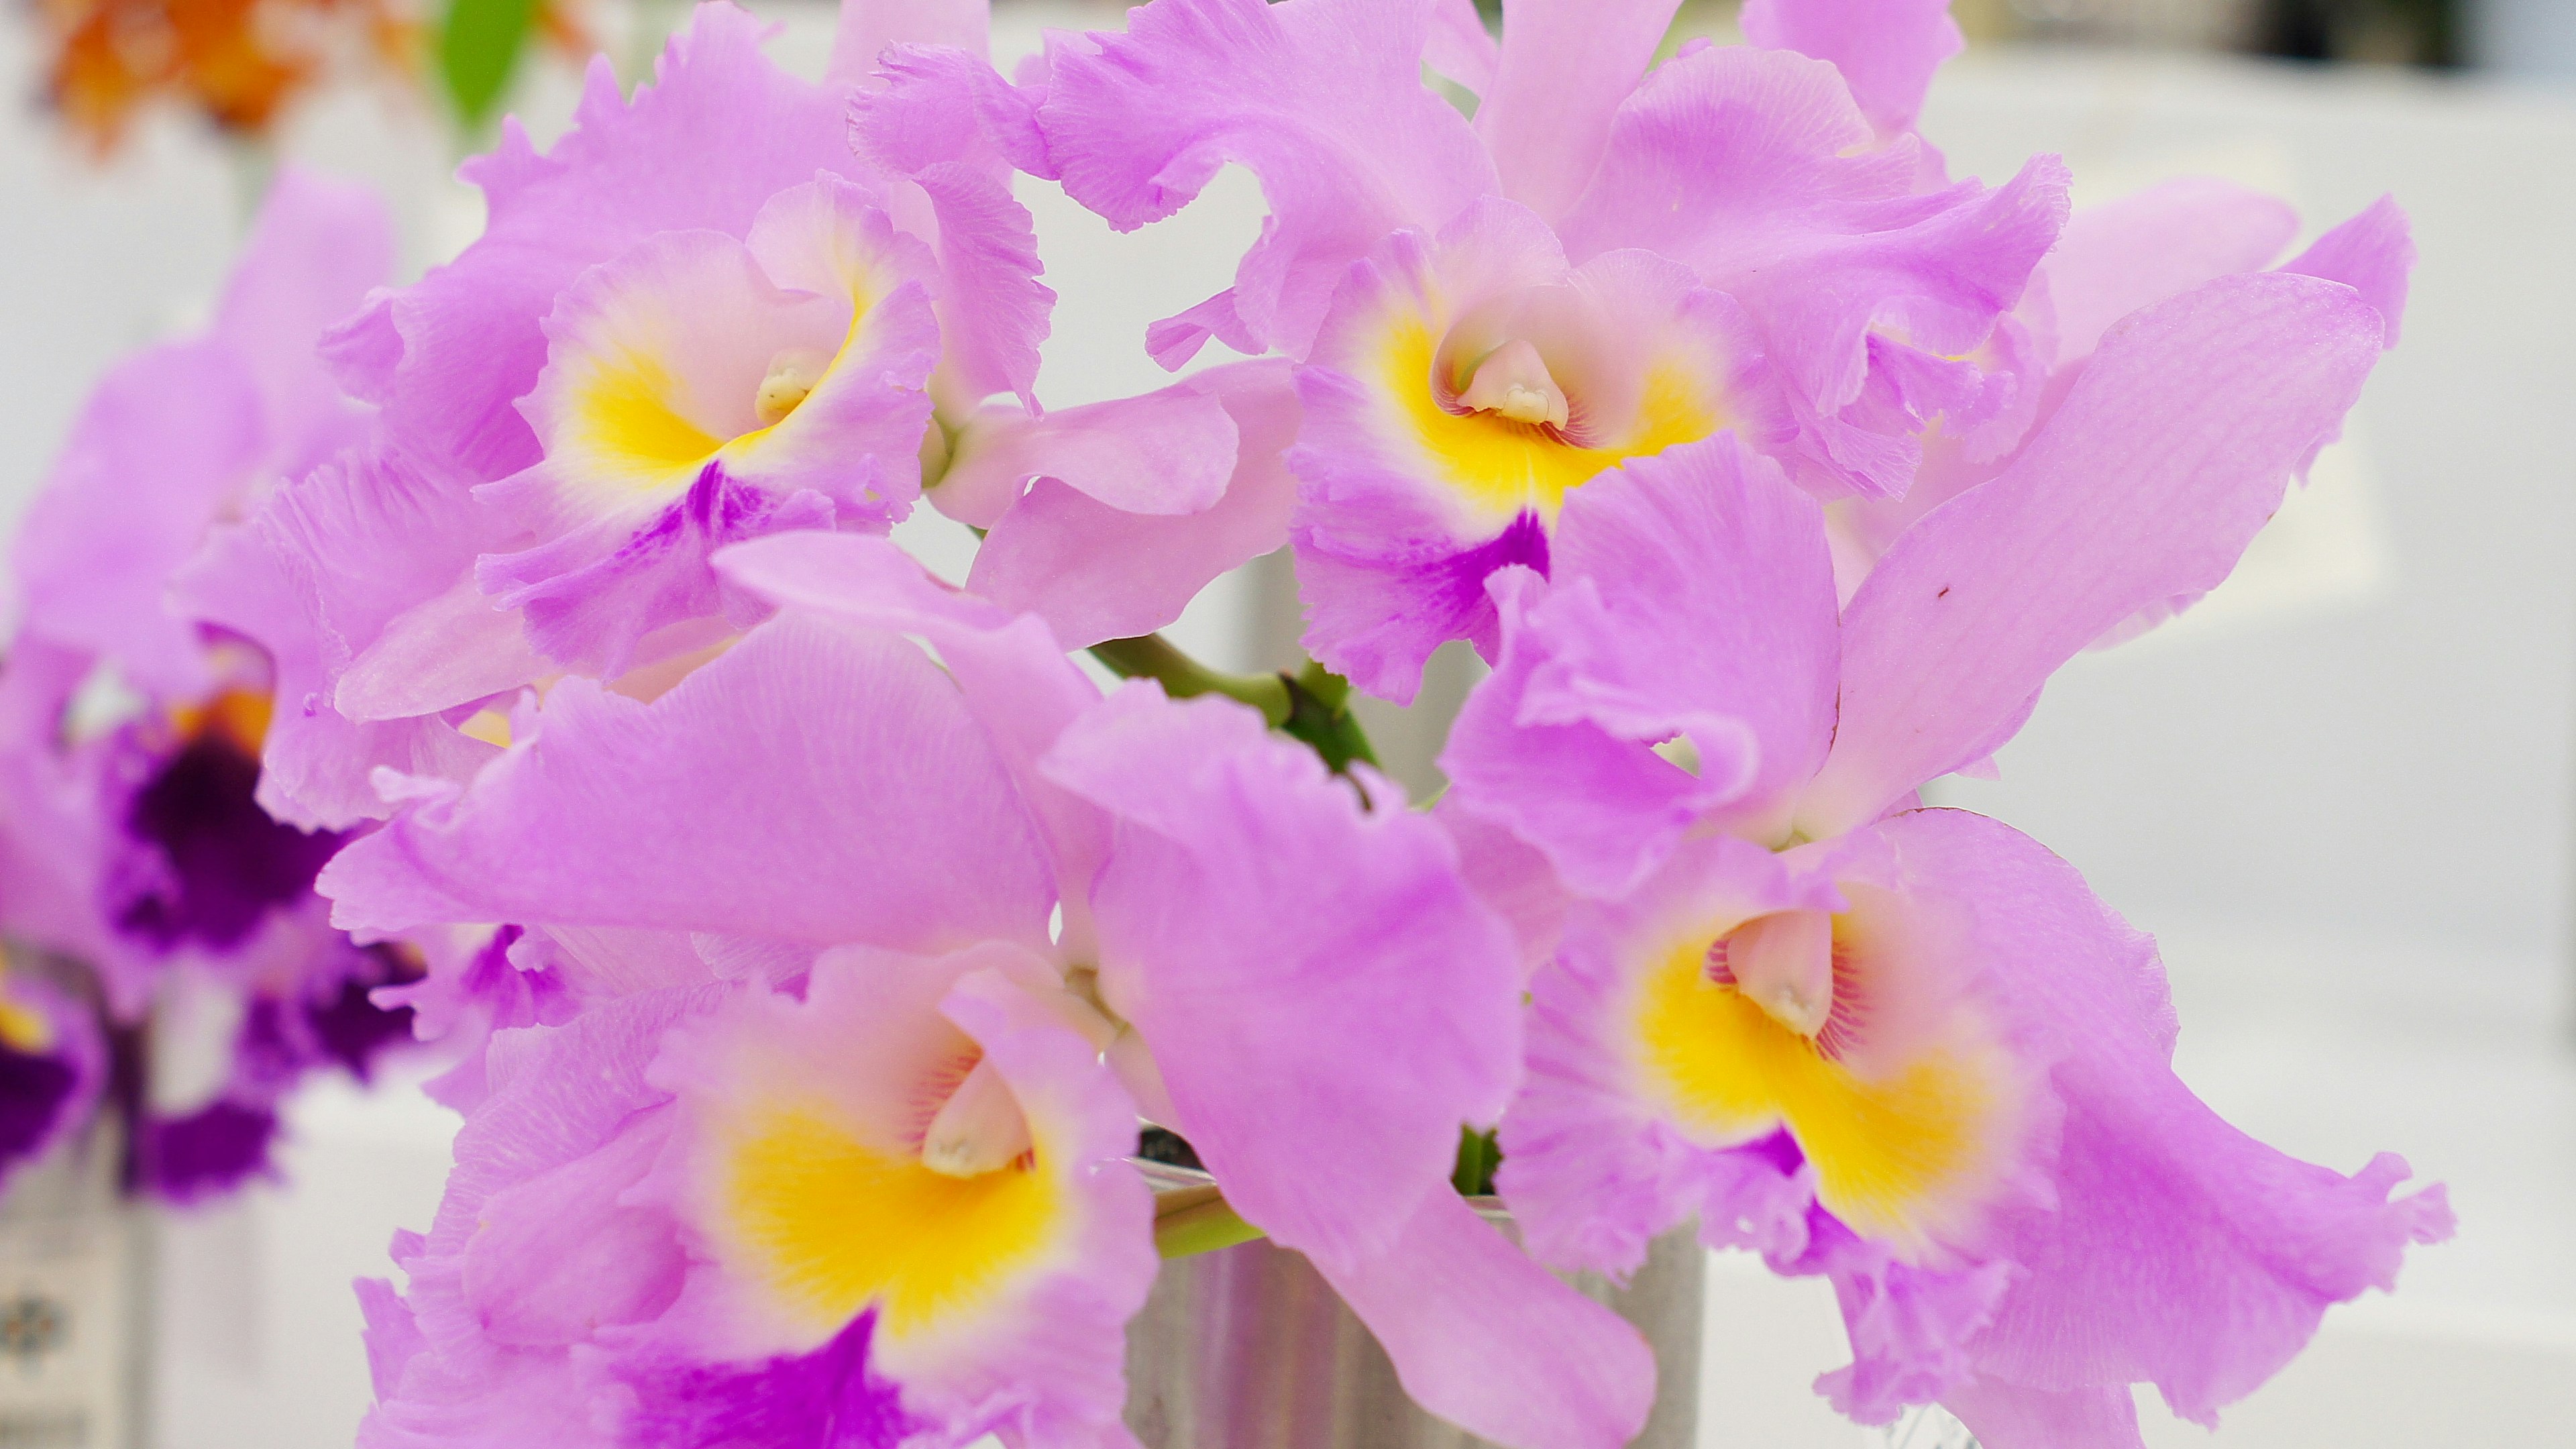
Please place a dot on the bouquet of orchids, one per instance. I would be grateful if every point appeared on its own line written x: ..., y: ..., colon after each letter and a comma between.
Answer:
x: 814, y: 936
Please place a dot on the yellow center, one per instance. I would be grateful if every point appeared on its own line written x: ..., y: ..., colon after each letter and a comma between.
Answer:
x: 1892, y: 1156
x: 833, y: 1224
x: 1504, y: 464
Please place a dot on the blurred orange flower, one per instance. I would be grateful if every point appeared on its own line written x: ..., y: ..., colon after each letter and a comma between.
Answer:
x: 238, y: 62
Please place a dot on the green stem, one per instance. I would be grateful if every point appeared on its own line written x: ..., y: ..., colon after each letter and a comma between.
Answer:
x: 1154, y: 657
x: 1319, y: 713
x: 1312, y: 706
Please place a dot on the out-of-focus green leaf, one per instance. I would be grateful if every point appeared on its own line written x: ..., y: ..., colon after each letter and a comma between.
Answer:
x: 479, y: 42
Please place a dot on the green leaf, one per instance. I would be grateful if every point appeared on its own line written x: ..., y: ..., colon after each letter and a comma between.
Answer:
x: 479, y: 43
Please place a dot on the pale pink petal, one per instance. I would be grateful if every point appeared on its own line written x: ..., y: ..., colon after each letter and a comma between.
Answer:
x: 717, y: 132
x: 2141, y: 249
x: 867, y: 27
x: 1566, y: 65
x: 1693, y: 599
x: 315, y: 575
x: 1887, y: 50
x: 1095, y: 572
x: 2374, y: 254
x: 1018, y: 687
x: 2170, y: 452
x: 1166, y: 452
x: 1460, y: 47
x: 1266, y: 935
x: 2220, y: 1253
x: 1487, y: 1339
x: 1323, y: 101
x: 812, y: 784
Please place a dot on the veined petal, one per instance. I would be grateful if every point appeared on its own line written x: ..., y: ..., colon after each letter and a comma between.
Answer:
x: 2222, y: 1253
x: 1487, y: 1339
x: 1693, y: 601
x: 319, y: 572
x: 1017, y: 686
x: 1886, y: 52
x: 867, y: 27
x: 1566, y: 65
x: 1094, y: 571
x: 796, y: 1164
x: 2167, y: 455
x: 875, y: 810
x: 946, y: 122
x: 1323, y: 101
x: 2138, y: 250
x: 1260, y: 930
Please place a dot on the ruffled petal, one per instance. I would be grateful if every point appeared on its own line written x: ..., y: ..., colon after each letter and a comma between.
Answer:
x: 1462, y: 389
x: 1565, y: 67
x: 2171, y: 450
x: 867, y: 27
x: 871, y: 810
x: 1693, y: 600
x: 1262, y: 931
x: 1094, y: 571
x: 2218, y: 1254
x: 315, y: 577
x: 1886, y: 52
x: 990, y: 1301
x: 1324, y: 102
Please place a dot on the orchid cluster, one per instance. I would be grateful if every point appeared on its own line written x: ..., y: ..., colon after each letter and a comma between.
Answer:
x: 814, y: 938
x: 170, y: 964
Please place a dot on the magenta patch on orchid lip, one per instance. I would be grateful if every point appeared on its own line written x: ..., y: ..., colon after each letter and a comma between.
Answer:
x: 591, y: 596
x: 215, y: 865
x: 206, y: 1153
x: 827, y: 1399
x: 34, y: 1087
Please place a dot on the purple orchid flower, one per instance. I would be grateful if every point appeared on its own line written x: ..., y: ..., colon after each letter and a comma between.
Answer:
x: 822, y: 799
x: 135, y: 829
x: 1906, y: 1049
x: 2112, y: 260
x: 1606, y: 262
x: 53, y: 1066
x: 704, y: 316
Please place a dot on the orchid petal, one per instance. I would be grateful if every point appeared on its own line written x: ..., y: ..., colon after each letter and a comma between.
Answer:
x: 1566, y: 65
x: 1323, y: 101
x: 1261, y: 930
x: 867, y: 27
x: 1487, y: 1339
x: 2171, y: 450
x: 1886, y: 52
x: 878, y: 812
x: 1095, y: 572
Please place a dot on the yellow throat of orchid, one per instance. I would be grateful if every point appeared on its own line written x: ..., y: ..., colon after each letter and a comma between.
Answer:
x: 23, y: 1029
x: 1740, y: 1037
x: 1508, y: 435
x: 835, y: 1222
